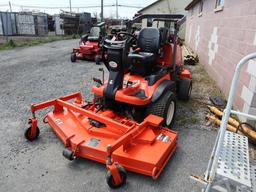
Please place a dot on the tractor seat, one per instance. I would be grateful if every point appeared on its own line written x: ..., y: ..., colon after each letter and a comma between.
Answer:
x: 142, y: 61
x: 94, y: 34
x: 141, y: 57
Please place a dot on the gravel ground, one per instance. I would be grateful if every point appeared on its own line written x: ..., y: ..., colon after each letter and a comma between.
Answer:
x: 39, y: 73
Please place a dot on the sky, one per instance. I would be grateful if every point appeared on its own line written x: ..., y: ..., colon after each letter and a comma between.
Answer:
x: 123, y: 12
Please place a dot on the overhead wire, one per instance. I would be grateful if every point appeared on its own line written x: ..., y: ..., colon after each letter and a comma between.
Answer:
x: 67, y: 7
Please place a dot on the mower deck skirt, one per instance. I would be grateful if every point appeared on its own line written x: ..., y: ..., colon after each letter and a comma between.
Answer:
x: 108, y: 137
x: 145, y: 151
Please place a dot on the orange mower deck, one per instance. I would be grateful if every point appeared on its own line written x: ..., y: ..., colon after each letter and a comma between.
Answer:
x: 143, y: 148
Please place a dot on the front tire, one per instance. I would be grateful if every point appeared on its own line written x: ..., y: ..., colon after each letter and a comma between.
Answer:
x: 164, y: 107
x: 73, y: 57
x: 184, y: 89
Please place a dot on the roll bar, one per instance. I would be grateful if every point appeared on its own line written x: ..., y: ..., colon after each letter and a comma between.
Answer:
x: 100, y: 24
x: 178, y: 19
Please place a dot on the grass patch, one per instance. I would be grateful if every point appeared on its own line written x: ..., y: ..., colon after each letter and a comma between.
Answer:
x: 201, y: 75
x: 217, y: 92
x: 187, y: 120
x: 204, y: 83
x: 186, y: 104
x: 34, y: 41
x: 10, y: 45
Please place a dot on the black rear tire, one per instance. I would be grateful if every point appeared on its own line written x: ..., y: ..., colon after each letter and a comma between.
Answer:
x: 73, y: 57
x: 184, y: 89
x: 164, y: 107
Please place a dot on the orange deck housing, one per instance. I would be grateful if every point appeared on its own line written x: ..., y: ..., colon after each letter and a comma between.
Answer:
x: 143, y: 148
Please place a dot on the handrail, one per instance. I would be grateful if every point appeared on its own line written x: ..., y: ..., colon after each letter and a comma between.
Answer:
x: 212, y: 165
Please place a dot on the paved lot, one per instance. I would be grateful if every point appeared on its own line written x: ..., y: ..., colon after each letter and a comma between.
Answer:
x: 39, y: 73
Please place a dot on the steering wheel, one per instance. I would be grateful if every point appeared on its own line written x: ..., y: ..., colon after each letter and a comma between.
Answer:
x: 119, y: 37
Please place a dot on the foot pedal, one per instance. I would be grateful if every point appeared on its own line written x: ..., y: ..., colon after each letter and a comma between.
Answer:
x: 154, y: 120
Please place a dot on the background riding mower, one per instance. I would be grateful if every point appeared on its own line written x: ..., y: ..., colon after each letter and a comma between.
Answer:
x: 114, y: 128
x: 90, y: 45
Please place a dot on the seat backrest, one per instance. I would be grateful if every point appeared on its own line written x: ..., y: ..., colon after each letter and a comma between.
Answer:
x: 149, y: 40
x: 94, y: 32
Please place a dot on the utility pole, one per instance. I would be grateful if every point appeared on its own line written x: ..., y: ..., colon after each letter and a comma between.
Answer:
x: 101, y: 14
x: 10, y: 5
x: 70, y: 6
x: 7, y: 21
x: 116, y: 9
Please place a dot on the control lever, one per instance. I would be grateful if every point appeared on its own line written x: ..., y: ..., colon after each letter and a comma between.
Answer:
x: 97, y: 81
x: 102, y: 81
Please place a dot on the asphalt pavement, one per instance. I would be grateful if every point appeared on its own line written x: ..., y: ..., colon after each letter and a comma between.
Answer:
x: 43, y: 72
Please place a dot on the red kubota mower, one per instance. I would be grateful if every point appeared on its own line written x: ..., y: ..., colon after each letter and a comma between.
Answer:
x: 90, y: 45
x: 127, y: 125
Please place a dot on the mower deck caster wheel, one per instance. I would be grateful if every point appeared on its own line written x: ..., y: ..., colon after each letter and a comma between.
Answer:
x: 28, y: 135
x: 73, y: 57
x: 68, y: 154
x: 110, y: 180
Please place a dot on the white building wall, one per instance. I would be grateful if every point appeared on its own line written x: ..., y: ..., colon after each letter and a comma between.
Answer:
x: 221, y: 38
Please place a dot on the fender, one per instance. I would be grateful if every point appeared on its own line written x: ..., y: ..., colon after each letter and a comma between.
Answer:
x: 162, y: 88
